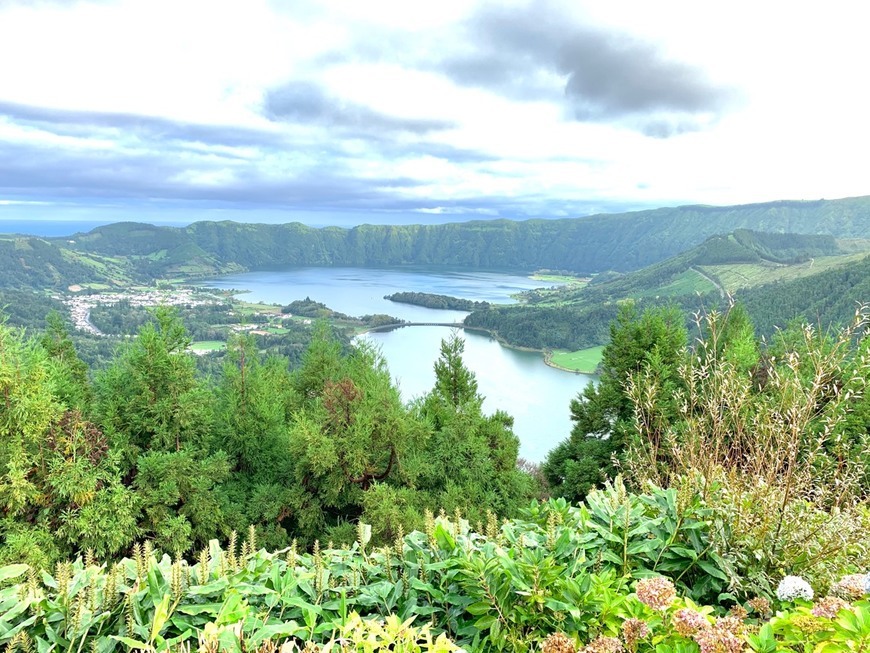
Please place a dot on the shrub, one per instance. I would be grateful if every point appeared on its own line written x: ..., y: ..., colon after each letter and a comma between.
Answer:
x: 768, y: 448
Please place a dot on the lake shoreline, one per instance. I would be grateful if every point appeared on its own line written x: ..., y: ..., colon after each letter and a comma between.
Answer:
x: 513, y: 379
x: 545, y: 353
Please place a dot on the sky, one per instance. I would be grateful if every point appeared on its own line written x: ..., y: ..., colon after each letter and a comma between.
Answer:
x: 398, y: 111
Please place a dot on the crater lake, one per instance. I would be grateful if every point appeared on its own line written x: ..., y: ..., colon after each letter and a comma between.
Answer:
x: 519, y: 382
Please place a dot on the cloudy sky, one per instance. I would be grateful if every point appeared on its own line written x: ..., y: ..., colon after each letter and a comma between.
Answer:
x: 402, y: 111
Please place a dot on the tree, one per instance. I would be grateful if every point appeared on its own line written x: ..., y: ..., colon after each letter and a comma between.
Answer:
x: 469, y: 461
x: 149, y: 398
x: 653, y: 341
x: 157, y: 416
x: 455, y: 384
x: 254, y: 397
x: 349, y: 431
x: 69, y: 371
x: 60, y: 486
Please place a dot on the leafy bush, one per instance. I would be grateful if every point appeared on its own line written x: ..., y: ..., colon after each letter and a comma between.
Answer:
x: 769, y: 446
x: 562, y: 568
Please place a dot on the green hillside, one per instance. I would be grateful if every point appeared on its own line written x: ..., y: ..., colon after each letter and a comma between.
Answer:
x: 620, y: 242
x: 827, y: 298
x: 782, y: 264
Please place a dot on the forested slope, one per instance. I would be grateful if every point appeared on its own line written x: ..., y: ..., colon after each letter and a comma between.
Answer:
x: 828, y: 298
x: 579, y: 318
x: 620, y: 242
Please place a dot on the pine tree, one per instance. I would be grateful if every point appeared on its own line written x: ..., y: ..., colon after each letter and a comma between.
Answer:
x: 602, y: 414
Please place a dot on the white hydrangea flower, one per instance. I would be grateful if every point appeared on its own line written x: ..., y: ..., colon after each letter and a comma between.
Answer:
x: 867, y: 583
x: 794, y: 587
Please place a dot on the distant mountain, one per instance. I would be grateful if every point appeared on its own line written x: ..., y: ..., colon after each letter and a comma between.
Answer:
x: 696, y: 271
x: 620, y: 242
x: 126, y: 251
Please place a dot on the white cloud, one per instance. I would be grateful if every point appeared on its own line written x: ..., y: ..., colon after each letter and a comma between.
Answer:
x: 431, y: 115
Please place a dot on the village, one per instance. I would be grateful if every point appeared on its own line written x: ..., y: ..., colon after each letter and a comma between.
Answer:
x: 80, y: 305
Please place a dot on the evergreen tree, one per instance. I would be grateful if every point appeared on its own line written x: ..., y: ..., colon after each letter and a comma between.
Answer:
x: 251, y: 425
x: 157, y: 416
x: 68, y: 369
x: 455, y: 384
x: 349, y: 431
x: 653, y: 341
x: 469, y: 461
x: 60, y: 486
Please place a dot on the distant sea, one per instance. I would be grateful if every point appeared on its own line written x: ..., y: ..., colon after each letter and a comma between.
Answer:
x: 59, y: 227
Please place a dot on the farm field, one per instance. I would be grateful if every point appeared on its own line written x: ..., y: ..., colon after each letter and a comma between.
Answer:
x: 207, y: 345
x: 584, y: 361
x: 742, y: 275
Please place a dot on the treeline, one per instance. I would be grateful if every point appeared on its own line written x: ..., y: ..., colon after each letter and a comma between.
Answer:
x: 27, y: 308
x: 826, y: 299
x: 148, y: 449
x: 202, y: 321
x: 580, y: 318
x: 572, y: 326
x: 552, y: 327
x: 431, y: 300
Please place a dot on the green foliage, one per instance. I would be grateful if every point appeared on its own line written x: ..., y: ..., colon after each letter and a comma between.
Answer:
x: 603, y: 414
x: 27, y: 308
x: 771, y: 447
x: 511, y: 590
x: 799, y: 629
x: 70, y: 372
x: 469, y: 460
x: 154, y: 450
x: 60, y: 485
x: 349, y: 431
x: 149, y: 398
x: 455, y: 385
x: 486, y: 593
x: 442, y: 302
x: 828, y: 298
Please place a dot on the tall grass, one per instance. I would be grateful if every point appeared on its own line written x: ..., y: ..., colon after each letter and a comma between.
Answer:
x: 769, y: 447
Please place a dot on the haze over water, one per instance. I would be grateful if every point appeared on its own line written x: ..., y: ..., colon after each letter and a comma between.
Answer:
x: 518, y: 382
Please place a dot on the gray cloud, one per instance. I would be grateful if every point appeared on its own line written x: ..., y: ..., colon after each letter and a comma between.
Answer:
x: 169, y: 160
x: 26, y: 170
x: 84, y: 123
x: 609, y: 77
x: 307, y: 103
x: 93, y: 178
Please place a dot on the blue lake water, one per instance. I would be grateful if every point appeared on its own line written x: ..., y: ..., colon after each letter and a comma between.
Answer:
x: 518, y: 382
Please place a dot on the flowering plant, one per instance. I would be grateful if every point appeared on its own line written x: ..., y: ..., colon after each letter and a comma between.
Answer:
x: 794, y: 587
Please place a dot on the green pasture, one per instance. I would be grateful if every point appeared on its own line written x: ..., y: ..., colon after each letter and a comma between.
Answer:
x: 689, y: 282
x: 741, y: 275
x: 208, y: 345
x: 584, y: 361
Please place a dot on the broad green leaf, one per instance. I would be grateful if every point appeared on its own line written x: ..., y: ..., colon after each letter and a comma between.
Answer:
x: 12, y: 571
x: 486, y: 622
x: 481, y: 607
x: 133, y: 643
x: 161, y: 614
